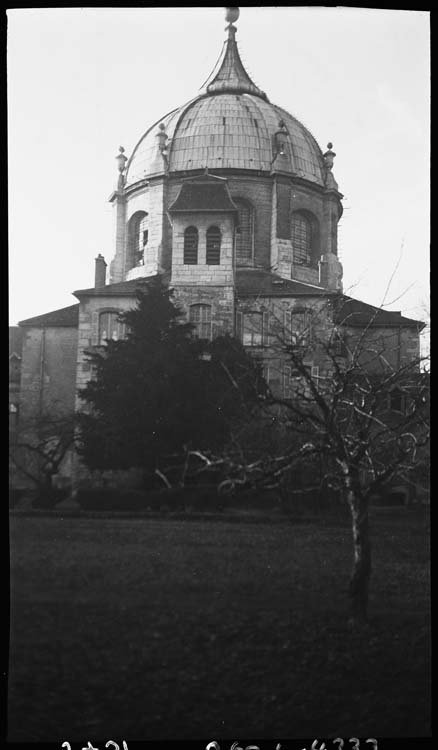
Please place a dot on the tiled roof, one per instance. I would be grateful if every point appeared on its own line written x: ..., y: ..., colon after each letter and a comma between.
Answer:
x: 203, y: 194
x: 121, y: 289
x: 15, y: 340
x: 66, y: 317
x: 260, y: 283
x: 353, y: 312
x: 227, y: 131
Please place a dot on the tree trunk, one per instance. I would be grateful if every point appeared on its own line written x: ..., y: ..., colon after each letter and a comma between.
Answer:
x: 359, y: 581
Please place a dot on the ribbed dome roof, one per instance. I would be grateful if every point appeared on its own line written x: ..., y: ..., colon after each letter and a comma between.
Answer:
x: 231, y: 126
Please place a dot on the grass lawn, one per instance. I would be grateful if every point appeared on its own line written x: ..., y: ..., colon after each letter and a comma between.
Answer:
x: 143, y: 629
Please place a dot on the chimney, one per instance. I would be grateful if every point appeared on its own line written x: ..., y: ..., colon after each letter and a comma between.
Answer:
x: 100, y: 272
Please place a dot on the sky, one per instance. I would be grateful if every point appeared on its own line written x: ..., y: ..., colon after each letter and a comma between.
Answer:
x: 84, y: 81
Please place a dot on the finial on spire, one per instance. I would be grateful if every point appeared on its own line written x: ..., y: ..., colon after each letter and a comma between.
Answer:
x: 231, y: 15
x: 232, y: 76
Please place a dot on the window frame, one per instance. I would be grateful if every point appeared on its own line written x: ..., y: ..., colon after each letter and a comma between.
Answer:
x: 215, y: 259
x: 110, y: 311
x: 136, y: 234
x: 250, y: 208
x: 198, y: 324
x: 187, y: 260
x: 308, y: 256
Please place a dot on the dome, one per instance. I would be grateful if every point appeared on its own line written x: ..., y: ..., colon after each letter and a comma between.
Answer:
x: 227, y: 131
x: 230, y: 126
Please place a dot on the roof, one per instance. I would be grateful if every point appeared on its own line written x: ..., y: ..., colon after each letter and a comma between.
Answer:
x: 121, y: 289
x: 231, y: 75
x: 260, y: 283
x: 349, y: 311
x: 353, y: 312
x: 227, y: 131
x: 204, y: 193
x: 231, y: 125
x: 65, y: 317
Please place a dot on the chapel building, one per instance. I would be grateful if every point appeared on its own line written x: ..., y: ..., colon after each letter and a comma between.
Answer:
x: 230, y: 199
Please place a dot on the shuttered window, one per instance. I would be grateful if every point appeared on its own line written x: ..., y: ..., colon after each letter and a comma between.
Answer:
x: 191, y: 246
x: 213, y: 246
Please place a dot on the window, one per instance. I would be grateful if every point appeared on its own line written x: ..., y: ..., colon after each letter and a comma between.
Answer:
x: 337, y: 345
x: 298, y: 327
x: 14, y: 368
x: 252, y: 329
x: 191, y: 246
x: 302, y: 238
x: 110, y: 327
x: 200, y: 317
x: 294, y: 380
x: 244, y: 233
x: 397, y: 400
x: 138, y: 237
x: 213, y: 246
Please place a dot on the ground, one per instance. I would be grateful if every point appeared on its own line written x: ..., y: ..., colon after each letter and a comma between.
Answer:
x: 170, y: 628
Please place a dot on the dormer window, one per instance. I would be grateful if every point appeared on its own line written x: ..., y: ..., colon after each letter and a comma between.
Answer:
x: 213, y: 257
x: 191, y: 246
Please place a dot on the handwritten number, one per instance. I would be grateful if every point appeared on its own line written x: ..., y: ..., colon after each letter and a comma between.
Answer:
x: 355, y: 742
x: 321, y: 747
x: 111, y: 742
x: 340, y: 741
x: 371, y: 739
x: 67, y: 745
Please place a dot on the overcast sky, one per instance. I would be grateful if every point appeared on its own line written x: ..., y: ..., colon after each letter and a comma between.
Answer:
x: 82, y: 82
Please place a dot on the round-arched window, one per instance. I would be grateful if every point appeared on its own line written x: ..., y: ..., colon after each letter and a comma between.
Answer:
x: 191, y: 246
x: 213, y: 257
x: 302, y: 238
x: 244, y: 233
x: 138, y: 237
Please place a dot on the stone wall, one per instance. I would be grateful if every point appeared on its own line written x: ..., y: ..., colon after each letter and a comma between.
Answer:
x: 48, y: 372
x: 201, y: 273
x: 257, y: 191
x: 382, y: 347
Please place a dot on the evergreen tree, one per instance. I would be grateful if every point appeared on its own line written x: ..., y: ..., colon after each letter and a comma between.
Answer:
x: 161, y: 390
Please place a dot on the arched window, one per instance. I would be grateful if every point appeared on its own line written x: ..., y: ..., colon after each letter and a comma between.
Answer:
x: 303, y: 236
x: 110, y: 327
x: 244, y: 233
x: 191, y: 246
x: 138, y: 237
x: 200, y: 317
x: 213, y: 246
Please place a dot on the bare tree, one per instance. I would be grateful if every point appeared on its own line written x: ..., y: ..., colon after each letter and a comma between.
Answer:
x: 362, y: 413
x: 38, y: 449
